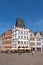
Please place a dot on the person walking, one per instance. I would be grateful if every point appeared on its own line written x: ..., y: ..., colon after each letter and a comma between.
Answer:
x: 32, y: 52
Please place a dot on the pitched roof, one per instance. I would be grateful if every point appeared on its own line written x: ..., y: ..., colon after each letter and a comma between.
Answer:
x: 35, y: 33
x: 20, y: 23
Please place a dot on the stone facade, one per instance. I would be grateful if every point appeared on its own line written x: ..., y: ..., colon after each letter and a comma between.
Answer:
x: 32, y: 40
x: 8, y: 39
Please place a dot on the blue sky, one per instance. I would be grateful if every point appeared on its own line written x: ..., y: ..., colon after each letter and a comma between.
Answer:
x: 31, y: 11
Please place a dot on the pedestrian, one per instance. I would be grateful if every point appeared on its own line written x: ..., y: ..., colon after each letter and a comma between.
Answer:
x: 32, y: 52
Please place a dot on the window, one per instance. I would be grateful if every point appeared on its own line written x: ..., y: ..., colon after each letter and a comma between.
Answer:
x: 24, y: 42
x: 21, y: 42
x: 18, y: 32
x: 25, y: 32
x: 38, y: 43
x: 21, y: 37
x: 27, y: 37
x: 24, y: 37
x: 27, y: 42
x: 38, y: 39
x: 18, y: 42
x: 21, y: 32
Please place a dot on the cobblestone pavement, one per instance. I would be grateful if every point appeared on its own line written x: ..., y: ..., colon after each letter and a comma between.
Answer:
x: 21, y: 59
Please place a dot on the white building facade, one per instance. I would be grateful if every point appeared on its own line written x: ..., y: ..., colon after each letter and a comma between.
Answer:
x: 38, y: 41
x: 20, y: 37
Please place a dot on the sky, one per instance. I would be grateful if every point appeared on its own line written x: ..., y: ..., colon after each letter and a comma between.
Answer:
x: 31, y: 11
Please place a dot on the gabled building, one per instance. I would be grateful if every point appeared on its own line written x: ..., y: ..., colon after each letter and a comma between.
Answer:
x: 20, y: 35
x: 38, y: 41
x: 32, y: 40
x: 2, y: 41
x: 8, y: 39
